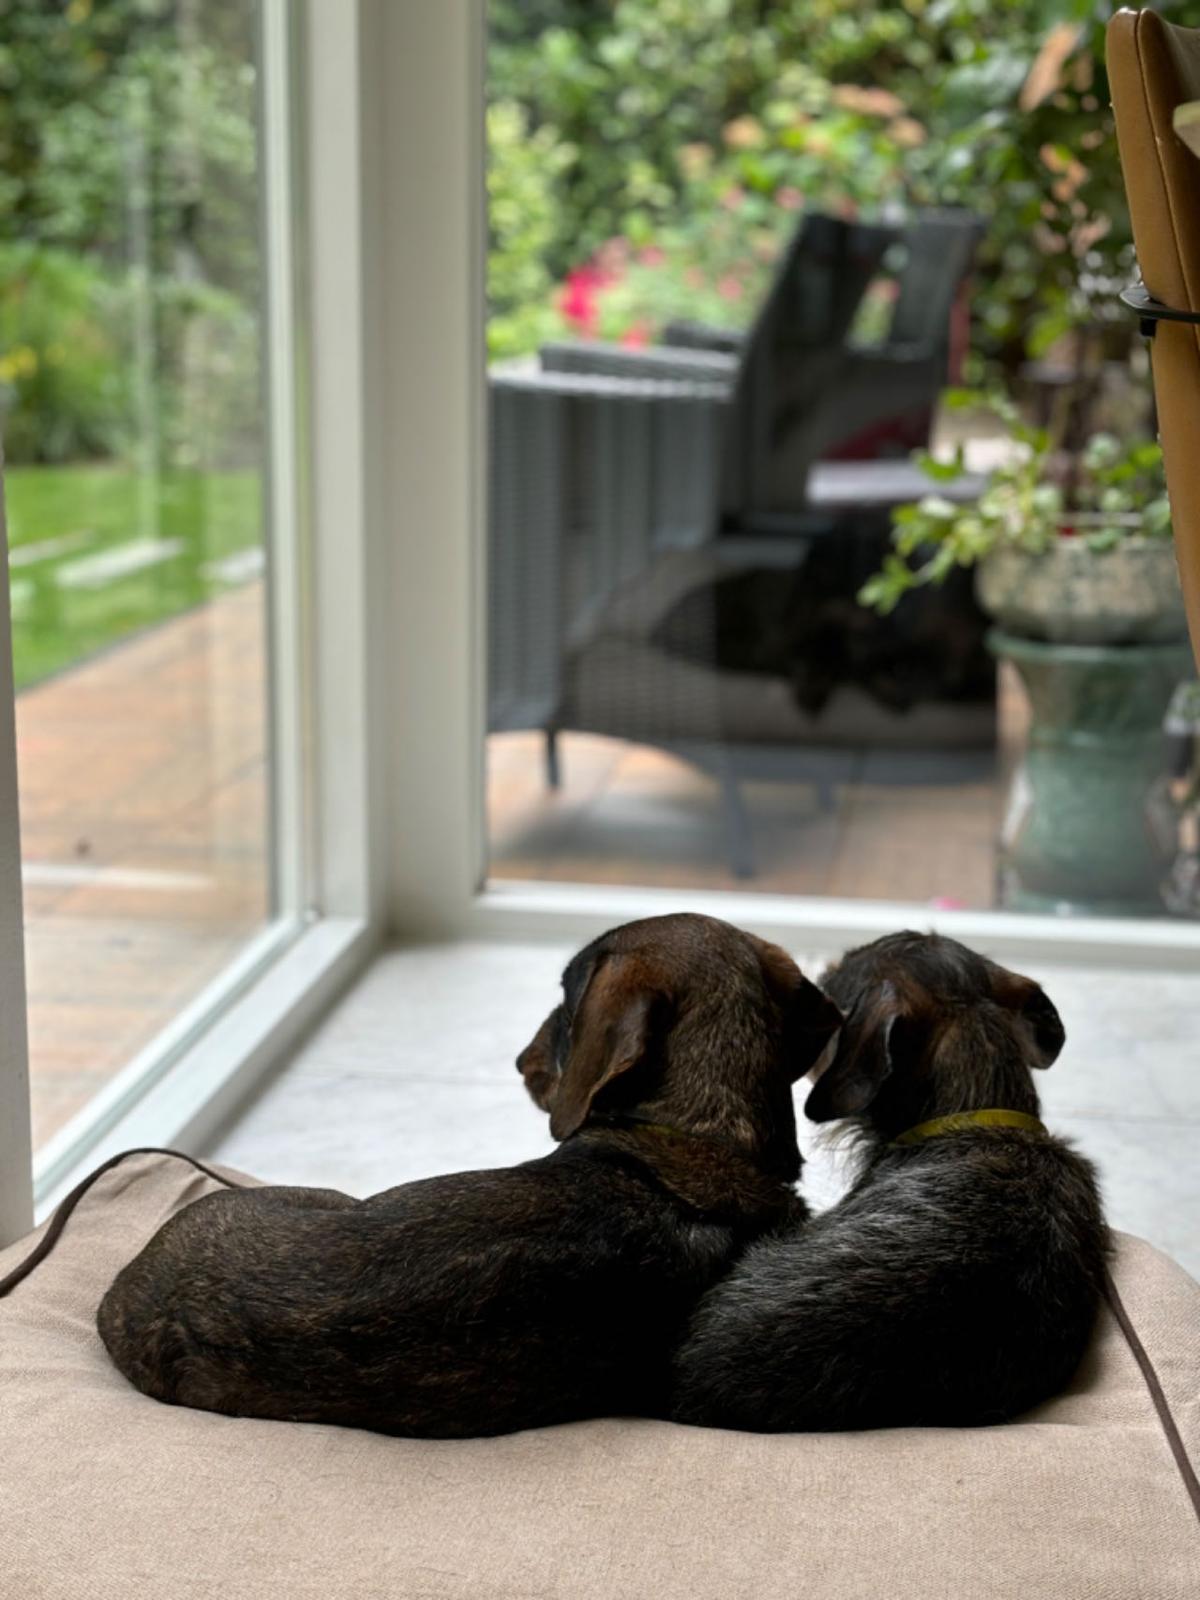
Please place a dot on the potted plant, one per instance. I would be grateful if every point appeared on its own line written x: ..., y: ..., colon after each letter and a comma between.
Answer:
x: 1074, y: 550
x: 1074, y: 560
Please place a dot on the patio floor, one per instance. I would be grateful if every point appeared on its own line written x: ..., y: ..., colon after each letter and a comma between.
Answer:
x: 143, y: 828
x: 630, y: 814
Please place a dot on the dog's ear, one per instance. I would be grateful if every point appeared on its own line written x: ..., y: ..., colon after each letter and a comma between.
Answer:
x: 810, y: 1022
x: 810, y: 1018
x: 863, y: 1059
x: 538, y: 1064
x: 1036, y: 1015
x: 609, y: 1037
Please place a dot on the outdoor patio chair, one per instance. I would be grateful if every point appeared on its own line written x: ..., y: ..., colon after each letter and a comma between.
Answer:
x: 629, y: 596
x: 802, y: 389
x: 1153, y: 70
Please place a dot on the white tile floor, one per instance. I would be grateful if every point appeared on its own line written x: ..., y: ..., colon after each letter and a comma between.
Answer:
x: 413, y: 1074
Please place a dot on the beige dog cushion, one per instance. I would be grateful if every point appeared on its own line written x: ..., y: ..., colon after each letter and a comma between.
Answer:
x: 106, y: 1495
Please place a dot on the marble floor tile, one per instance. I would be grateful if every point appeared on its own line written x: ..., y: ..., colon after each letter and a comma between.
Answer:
x: 1149, y: 1178
x: 363, y: 1133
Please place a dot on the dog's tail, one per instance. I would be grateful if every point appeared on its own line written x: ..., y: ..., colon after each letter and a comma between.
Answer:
x: 65, y: 1207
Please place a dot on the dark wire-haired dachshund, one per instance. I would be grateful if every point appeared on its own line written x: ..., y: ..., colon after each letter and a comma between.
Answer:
x: 957, y: 1281
x: 490, y: 1301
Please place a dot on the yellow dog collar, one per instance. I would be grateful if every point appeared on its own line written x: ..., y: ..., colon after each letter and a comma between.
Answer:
x: 961, y: 1120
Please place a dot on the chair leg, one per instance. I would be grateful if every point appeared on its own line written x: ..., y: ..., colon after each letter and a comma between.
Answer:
x: 553, y: 767
x: 737, y: 827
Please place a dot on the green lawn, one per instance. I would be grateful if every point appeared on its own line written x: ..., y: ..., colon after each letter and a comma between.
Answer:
x: 61, y: 519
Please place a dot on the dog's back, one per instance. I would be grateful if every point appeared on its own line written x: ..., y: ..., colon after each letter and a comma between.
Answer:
x: 957, y: 1282
x: 953, y: 1287
x: 483, y: 1302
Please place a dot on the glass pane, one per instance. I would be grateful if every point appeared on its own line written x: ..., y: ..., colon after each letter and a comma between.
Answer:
x: 829, y: 550
x: 130, y: 381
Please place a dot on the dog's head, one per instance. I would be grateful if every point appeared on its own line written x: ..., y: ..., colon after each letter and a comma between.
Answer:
x: 689, y: 1019
x: 931, y: 1028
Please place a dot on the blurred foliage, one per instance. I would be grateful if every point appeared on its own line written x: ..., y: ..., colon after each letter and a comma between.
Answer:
x: 129, y: 240
x: 63, y: 381
x: 998, y: 105
x: 1109, y: 491
x: 127, y: 127
x: 523, y: 219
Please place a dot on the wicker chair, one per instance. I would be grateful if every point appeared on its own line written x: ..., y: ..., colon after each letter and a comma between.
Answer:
x: 632, y: 503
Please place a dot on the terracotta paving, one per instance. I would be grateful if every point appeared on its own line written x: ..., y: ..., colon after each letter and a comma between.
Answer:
x: 633, y: 815
x: 143, y: 830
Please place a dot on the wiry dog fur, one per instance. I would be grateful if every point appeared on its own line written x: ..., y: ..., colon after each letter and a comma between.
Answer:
x: 957, y: 1281
x: 491, y: 1301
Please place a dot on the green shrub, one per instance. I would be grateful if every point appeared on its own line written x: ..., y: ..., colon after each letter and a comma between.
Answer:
x: 63, y: 377
x: 816, y: 146
x: 1003, y: 109
x: 524, y: 214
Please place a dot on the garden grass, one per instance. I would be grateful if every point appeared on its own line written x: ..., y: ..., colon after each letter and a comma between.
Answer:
x: 100, y: 507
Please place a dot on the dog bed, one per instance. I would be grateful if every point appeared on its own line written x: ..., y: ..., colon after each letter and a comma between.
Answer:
x: 106, y: 1495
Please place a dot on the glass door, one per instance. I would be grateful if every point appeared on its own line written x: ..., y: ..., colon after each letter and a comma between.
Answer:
x: 137, y: 270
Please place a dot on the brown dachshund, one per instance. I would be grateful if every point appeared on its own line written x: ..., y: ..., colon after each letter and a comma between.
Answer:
x: 957, y: 1282
x: 490, y: 1301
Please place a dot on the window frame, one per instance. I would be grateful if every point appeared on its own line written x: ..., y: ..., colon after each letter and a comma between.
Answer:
x: 327, y: 578
x: 442, y: 887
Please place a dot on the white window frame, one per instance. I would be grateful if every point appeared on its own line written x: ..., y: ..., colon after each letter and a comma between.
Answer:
x: 438, y: 472
x: 328, y: 556
x: 16, y: 1189
x: 388, y: 446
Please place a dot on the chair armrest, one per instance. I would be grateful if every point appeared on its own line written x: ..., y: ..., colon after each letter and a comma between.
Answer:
x: 906, y: 353
x: 614, y: 360
x: 645, y: 387
x: 688, y: 335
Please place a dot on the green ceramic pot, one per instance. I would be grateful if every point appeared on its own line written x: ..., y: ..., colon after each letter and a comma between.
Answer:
x: 1090, y: 827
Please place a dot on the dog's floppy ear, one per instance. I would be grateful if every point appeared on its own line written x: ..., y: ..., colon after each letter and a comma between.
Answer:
x: 863, y: 1060
x: 1036, y: 1015
x: 810, y: 1018
x: 609, y: 1036
x: 810, y: 1022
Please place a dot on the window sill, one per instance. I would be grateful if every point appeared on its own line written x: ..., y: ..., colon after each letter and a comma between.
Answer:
x: 195, y: 1077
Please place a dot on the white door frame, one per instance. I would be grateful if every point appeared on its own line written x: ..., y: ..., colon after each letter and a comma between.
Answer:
x: 16, y: 1195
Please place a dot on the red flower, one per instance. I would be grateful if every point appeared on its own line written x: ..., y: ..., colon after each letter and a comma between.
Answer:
x: 636, y: 336
x: 578, y: 301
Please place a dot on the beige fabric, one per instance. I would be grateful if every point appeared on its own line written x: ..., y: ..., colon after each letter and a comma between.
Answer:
x: 110, y: 1496
x: 1152, y: 68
